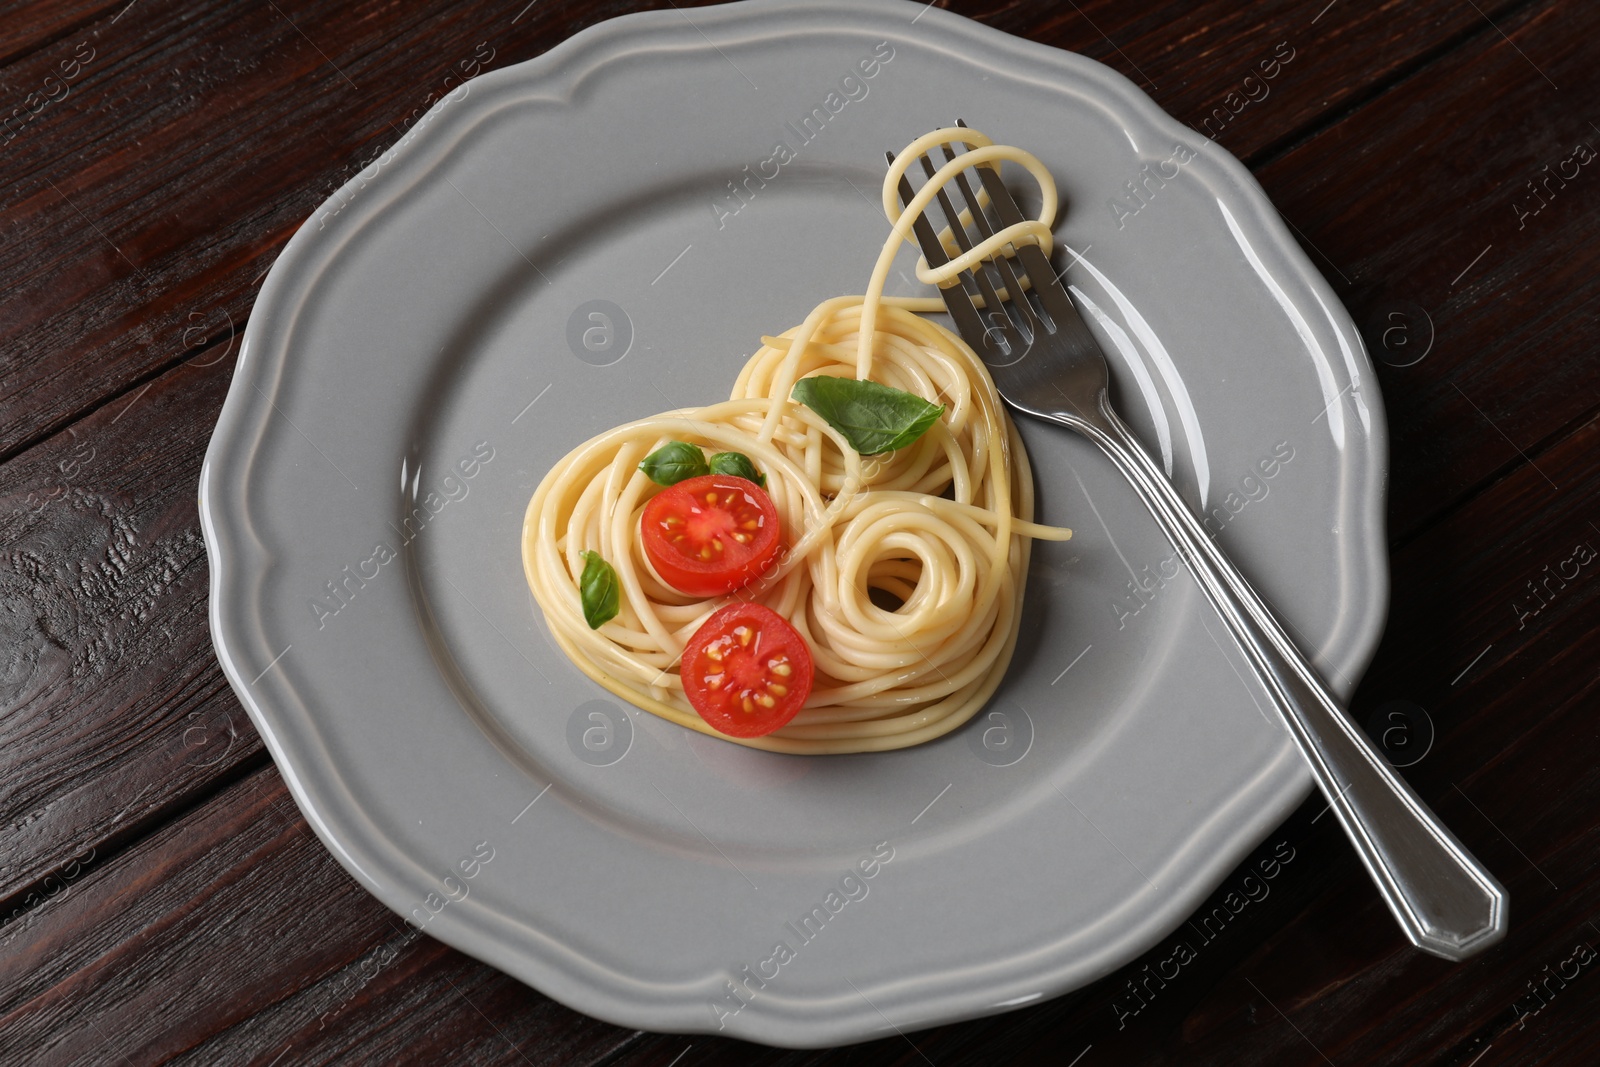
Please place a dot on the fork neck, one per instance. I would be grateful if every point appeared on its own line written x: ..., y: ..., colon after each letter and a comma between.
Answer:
x: 1100, y: 423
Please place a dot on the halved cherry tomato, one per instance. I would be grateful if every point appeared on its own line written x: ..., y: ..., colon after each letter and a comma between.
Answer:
x: 710, y: 535
x: 746, y: 670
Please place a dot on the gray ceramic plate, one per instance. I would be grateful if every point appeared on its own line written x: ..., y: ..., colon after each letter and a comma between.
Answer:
x: 576, y: 241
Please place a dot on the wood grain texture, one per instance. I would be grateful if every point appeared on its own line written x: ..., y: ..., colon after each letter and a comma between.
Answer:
x: 34, y: 24
x: 153, y: 195
x: 161, y: 900
x: 114, y: 708
x: 1404, y: 204
x: 1318, y: 946
x: 153, y: 252
x: 1306, y: 62
x: 232, y: 936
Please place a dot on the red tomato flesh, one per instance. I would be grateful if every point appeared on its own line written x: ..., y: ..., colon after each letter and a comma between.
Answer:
x: 746, y: 670
x: 710, y: 535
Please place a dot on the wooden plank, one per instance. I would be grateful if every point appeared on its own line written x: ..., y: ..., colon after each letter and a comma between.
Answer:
x: 30, y: 25
x: 210, y: 182
x: 232, y: 126
x: 187, y: 213
x: 122, y: 928
x: 231, y: 935
x: 1419, y: 198
x: 1253, y: 76
x: 1359, y: 996
x: 1316, y: 942
x: 1476, y: 595
x: 115, y: 709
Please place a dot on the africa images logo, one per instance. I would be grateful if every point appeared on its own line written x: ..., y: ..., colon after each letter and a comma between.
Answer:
x: 850, y: 888
x: 853, y: 88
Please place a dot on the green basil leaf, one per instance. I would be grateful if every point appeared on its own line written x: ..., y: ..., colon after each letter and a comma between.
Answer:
x: 600, y: 590
x: 874, y: 418
x: 673, y: 462
x: 737, y: 464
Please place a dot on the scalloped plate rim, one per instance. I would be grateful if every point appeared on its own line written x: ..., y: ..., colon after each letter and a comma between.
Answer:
x: 239, y: 562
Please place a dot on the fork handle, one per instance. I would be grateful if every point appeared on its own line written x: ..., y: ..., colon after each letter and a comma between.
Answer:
x: 1446, y: 902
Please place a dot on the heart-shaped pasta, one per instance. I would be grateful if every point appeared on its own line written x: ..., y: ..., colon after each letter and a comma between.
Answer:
x: 902, y: 571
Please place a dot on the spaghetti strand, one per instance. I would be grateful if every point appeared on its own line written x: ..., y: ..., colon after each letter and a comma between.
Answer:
x: 903, y: 572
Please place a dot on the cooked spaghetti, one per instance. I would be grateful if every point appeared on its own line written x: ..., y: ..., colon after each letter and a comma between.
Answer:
x: 902, y: 571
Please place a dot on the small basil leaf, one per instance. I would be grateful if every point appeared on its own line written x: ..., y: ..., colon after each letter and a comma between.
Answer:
x: 874, y: 418
x: 600, y: 590
x: 673, y: 462
x: 737, y: 464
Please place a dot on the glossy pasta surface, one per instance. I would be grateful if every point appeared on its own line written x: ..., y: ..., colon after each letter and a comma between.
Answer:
x: 903, y: 571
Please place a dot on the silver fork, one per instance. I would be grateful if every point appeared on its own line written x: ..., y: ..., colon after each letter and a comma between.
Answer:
x: 1046, y: 364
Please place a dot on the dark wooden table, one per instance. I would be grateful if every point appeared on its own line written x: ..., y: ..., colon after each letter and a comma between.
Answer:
x: 161, y: 899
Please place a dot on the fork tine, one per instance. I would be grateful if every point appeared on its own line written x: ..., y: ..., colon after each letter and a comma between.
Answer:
x: 980, y: 273
x: 991, y: 297
x: 956, y: 300
x: 1041, y: 275
x: 1000, y: 263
